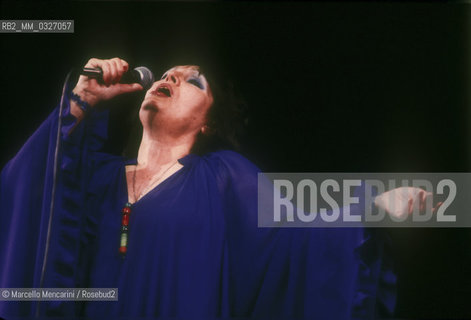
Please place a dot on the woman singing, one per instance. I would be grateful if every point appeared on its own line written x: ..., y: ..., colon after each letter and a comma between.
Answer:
x: 175, y: 230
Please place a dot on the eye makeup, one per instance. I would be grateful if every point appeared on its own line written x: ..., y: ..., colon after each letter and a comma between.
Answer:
x: 195, y: 78
x: 197, y: 82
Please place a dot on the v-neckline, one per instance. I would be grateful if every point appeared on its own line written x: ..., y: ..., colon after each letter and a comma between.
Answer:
x: 182, y: 161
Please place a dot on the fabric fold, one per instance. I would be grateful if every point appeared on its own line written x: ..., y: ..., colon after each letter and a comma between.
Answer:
x: 194, y: 250
x: 375, y: 289
x: 78, y: 144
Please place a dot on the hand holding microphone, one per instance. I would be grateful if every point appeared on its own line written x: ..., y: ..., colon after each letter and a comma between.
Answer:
x: 105, y: 79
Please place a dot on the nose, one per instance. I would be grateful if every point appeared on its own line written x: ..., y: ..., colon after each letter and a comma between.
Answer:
x: 172, y: 76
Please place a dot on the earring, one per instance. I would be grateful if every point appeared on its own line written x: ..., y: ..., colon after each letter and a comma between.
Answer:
x: 204, y: 129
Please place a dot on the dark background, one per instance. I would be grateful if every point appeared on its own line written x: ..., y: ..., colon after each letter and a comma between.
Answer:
x: 331, y: 87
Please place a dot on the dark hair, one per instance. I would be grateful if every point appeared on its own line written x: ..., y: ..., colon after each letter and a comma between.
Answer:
x: 226, y: 118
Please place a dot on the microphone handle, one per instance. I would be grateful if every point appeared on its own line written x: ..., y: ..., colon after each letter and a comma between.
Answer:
x: 97, y: 73
x: 141, y: 75
x: 92, y: 72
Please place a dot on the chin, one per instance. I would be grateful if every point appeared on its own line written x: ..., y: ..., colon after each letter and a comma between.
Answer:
x: 148, y: 105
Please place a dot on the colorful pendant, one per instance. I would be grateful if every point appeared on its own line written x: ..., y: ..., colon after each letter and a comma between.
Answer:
x: 124, y: 228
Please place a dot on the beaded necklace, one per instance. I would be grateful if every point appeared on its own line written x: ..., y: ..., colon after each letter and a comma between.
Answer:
x: 126, y: 211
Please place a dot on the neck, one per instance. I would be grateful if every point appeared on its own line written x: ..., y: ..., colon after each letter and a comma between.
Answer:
x: 155, y: 152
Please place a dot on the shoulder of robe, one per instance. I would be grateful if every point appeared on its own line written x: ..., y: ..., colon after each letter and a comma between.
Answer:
x: 232, y: 168
x: 103, y: 169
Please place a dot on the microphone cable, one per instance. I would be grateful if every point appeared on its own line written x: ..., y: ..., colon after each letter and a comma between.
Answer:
x: 53, y: 189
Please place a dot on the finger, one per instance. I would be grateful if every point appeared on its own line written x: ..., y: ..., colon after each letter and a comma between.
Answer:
x: 125, y: 65
x: 124, y: 88
x: 106, y: 72
x: 437, y: 207
x: 113, y: 70
x: 422, y: 197
x: 120, y: 66
x: 93, y: 63
x: 410, y: 205
x: 428, y: 201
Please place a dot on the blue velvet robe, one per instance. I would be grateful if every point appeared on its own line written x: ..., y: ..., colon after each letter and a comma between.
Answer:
x: 194, y: 248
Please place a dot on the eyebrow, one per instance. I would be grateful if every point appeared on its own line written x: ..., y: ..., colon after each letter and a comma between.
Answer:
x: 197, y: 70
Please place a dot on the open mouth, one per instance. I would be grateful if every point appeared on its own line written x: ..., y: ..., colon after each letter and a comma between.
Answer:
x: 163, y: 90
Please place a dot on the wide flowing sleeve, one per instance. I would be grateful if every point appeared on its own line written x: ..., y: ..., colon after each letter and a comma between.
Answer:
x: 298, y: 273
x: 27, y: 226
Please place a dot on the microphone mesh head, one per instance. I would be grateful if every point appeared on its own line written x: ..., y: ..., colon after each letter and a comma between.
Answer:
x: 146, y: 77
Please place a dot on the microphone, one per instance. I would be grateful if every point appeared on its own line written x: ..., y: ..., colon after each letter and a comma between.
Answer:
x: 141, y: 75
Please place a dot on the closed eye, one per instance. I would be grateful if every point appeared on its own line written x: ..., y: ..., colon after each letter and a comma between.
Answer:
x: 196, y: 82
x: 164, y: 76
